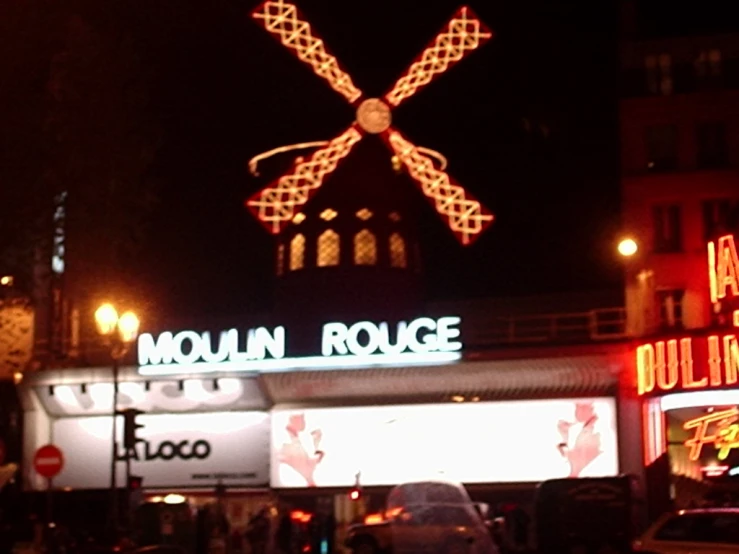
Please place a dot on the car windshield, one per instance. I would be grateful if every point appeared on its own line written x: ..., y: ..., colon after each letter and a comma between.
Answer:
x: 701, y: 527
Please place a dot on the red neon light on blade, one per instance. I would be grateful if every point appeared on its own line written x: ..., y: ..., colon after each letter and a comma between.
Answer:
x: 277, y: 203
x: 464, y: 33
x: 283, y: 20
x: 465, y: 215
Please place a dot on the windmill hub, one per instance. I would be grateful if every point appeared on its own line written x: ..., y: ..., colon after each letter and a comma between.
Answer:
x: 373, y: 116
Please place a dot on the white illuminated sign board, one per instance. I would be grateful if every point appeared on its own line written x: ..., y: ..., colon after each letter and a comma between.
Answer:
x: 362, y: 344
x: 182, y: 450
x: 476, y: 442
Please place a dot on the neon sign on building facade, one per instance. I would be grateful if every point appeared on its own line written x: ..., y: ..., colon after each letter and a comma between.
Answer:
x: 362, y: 344
x: 696, y: 363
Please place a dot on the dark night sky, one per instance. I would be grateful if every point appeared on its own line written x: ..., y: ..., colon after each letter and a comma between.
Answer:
x: 528, y: 123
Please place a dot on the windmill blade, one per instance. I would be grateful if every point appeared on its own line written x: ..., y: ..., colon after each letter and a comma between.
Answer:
x: 277, y: 203
x: 283, y: 20
x: 463, y: 33
x: 463, y: 213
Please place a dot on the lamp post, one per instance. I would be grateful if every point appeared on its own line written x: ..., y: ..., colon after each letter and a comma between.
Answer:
x: 640, y: 292
x: 119, y: 332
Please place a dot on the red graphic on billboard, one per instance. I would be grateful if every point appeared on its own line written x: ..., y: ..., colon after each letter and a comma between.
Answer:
x: 581, y: 443
x: 295, y: 454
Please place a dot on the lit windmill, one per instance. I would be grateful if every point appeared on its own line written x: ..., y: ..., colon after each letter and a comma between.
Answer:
x: 278, y: 204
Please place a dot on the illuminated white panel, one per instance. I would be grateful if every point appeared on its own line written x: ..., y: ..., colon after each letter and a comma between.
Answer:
x: 477, y: 442
x: 699, y: 399
x: 178, y: 450
x: 310, y: 362
x: 65, y: 395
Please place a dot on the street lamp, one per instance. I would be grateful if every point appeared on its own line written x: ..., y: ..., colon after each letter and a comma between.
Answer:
x: 119, y: 332
x: 627, y: 247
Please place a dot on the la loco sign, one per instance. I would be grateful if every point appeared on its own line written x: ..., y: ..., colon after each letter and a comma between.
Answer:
x: 423, y: 340
x: 176, y: 450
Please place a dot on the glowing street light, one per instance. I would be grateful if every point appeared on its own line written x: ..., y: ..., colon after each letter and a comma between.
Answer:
x: 627, y: 247
x: 119, y: 332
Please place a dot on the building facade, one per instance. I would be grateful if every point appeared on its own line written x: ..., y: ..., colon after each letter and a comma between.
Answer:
x: 376, y: 405
x: 679, y: 120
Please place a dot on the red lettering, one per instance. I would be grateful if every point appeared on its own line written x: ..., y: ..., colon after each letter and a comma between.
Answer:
x: 645, y: 368
x: 701, y: 425
x: 714, y: 361
x: 686, y: 363
x: 666, y: 371
x: 731, y: 359
x: 724, y: 263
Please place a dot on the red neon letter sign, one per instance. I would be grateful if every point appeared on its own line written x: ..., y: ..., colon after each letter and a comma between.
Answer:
x: 645, y: 368
x: 731, y: 359
x: 723, y: 268
x: 723, y: 420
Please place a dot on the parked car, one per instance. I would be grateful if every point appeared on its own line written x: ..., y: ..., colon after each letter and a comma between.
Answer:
x: 426, y: 517
x: 704, y: 531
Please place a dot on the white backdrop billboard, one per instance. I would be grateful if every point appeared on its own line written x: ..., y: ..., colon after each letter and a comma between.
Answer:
x: 179, y: 450
x: 481, y: 442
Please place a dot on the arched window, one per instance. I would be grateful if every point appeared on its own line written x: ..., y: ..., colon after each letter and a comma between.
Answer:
x: 280, y: 259
x: 297, y: 252
x: 398, y: 257
x: 365, y: 248
x: 328, y: 249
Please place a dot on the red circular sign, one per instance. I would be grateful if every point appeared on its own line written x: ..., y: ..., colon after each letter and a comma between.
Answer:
x: 48, y: 461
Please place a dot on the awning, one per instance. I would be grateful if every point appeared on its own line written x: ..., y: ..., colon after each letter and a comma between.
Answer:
x: 469, y: 380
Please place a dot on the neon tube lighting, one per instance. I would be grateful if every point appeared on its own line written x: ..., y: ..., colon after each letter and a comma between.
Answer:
x: 699, y: 399
x: 306, y: 363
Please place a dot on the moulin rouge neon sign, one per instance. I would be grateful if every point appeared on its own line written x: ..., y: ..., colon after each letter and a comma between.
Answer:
x: 364, y: 343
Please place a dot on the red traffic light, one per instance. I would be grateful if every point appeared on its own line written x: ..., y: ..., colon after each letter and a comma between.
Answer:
x: 355, y: 494
x: 135, y: 482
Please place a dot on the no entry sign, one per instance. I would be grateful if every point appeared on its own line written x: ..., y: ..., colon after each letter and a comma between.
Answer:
x: 48, y: 461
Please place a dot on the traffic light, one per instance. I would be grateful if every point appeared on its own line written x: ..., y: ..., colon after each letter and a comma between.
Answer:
x: 130, y: 427
x: 135, y: 482
x: 355, y: 493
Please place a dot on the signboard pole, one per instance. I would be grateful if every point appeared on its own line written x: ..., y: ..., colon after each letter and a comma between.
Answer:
x: 129, y: 508
x: 48, y: 462
x: 49, y: 500
x: 114, y: 461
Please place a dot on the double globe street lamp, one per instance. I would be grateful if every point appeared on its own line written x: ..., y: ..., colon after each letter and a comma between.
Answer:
x: 118, y: 332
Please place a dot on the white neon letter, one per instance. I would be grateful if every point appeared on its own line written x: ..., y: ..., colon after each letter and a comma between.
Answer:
x: 400, y: 344
x: 428, y: 342
x: 334, y: 339
x: 446, y: 328
x: 153, y: 352
x: 273, y: 343
x: 373, y: 339
x: 196, y: 350
x: 215, y: 357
